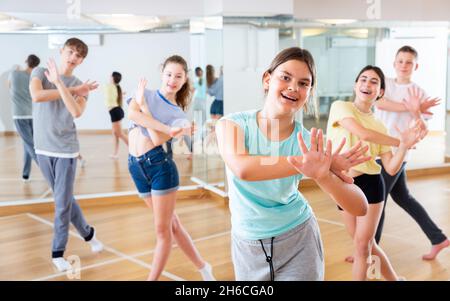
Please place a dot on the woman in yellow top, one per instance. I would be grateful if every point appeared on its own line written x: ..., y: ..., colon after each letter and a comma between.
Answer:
x: 113, y: 101
x: 355, y: 121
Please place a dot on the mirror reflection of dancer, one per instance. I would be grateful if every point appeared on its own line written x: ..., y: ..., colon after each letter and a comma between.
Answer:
x: 19, y: 83
x: 113, y: 100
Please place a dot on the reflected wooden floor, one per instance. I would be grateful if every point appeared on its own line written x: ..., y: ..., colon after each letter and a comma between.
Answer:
x: 128, y: 233
x: 103, y: 175
x: 100, y: 175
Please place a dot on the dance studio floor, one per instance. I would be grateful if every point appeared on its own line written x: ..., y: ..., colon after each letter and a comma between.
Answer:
x: 127, y: 229
x: 127, y: 232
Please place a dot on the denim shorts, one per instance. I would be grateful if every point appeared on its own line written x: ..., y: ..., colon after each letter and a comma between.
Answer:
x: 216, y: 107
x: 153, y: 173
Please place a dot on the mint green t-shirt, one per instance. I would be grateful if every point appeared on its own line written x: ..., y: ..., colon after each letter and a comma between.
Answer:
x: 263, y: 209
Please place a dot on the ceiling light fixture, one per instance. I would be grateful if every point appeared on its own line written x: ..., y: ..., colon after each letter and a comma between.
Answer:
x: 336, y: 21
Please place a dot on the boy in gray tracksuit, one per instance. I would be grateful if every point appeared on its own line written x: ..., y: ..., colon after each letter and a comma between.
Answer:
x: 59, y: 97
x: 19, y: 82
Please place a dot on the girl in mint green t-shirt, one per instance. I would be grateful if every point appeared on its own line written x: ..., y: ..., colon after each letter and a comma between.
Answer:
x: 274, y: 233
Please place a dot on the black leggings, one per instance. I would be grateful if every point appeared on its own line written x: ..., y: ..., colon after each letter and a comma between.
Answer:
x: 396, y: 187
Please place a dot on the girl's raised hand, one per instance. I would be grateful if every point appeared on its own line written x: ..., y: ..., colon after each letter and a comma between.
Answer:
x: 410, y: 136
x: 175, y: 132
x: 140, y: 99
x: 314, y: 163
x: 343, y: 162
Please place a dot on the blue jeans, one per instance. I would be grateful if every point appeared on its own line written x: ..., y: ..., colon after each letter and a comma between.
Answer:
x: 153, y: 173
x: 25, y: 129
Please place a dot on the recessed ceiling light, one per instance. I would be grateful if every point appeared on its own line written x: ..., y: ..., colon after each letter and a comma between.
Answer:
x: 311, y: 32
x: 127, y: 22
x: 9, y: 24
x: 336, y: 21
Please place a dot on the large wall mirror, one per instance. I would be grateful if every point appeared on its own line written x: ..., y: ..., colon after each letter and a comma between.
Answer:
x: 238, y: 48
x: 134, y: 44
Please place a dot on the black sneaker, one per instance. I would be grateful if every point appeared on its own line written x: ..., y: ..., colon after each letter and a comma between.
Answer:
x: 25, y: 178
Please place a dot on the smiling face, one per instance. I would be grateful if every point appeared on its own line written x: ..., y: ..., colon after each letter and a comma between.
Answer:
x: 368, y: 87
x: 70, y: 57
x: 173, y: 78
x: 405, y: 63
x: 288, y: 87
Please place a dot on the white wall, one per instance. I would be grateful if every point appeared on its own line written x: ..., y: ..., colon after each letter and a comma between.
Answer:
x: 214, y: 48
x: 448, y: 74
x: 134, y: 55
x: 432, y: 72
x: 407, y: 10
x: 137, y: 7
x: 247, y: 54
x: 338, y: 61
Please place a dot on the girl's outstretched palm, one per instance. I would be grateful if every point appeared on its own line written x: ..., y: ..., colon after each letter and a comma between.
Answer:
x: 314, y: 163
x: 342, y: 162
x: 411, y: 135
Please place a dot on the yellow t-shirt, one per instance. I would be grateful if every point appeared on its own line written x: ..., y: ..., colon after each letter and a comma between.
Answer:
x: 111, y: 95
x: 342, y: 109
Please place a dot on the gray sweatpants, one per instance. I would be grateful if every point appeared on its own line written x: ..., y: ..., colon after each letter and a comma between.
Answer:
x: 60, y: 175
x: 25, y: 129
x: 297, y: 255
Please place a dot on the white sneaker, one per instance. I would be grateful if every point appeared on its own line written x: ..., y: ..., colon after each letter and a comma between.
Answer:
x: 61, y: 264
x: 206, y: 273
x: 83, y: 163
x: 96, y: 245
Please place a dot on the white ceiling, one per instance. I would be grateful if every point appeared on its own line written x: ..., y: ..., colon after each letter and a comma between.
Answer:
x: 54, y: 20
x: 63, y: 14
x: 53, y: 14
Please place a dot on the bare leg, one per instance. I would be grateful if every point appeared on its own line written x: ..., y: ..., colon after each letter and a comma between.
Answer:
x: 123, y: 137
x: 386, y: 268
x: 118, y: 134
x: 350, y: 225
x: 364, y: 234
x: 163, y: 210
x: 184, y: 241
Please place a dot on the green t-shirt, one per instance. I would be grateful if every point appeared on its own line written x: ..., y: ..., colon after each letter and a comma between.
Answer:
x: 263, y: 209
